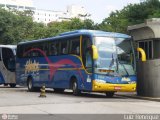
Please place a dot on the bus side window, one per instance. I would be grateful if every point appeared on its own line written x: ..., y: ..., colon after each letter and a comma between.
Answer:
x: 64, y: 50
x: 20, y: 51
x: 40, y: 46
x: 53, y: 49
x: 75, y: 46
x: 77, y: 50
x: 64, y: 47
x: 26, y: 52
x: 0, y: 54
x: 32, y: 53
x: 46, y: 48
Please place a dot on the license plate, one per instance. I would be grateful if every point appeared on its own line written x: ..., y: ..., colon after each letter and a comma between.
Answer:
x: 117, y: 88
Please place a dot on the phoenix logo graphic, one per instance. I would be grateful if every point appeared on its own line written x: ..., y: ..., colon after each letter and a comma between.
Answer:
x: 31, y: 66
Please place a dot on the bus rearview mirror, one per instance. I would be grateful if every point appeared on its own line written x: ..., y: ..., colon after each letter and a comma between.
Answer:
x: 95, y: 52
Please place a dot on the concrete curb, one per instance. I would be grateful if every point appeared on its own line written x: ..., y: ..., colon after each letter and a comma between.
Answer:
x: 139, y: 97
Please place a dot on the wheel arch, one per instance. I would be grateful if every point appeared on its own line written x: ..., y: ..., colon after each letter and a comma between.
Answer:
x: 31, y: 86
x: 28, y: 78
x: 72, y: 79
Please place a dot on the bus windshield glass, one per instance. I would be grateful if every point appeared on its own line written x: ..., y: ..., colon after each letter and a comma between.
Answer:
x: 115, y: 56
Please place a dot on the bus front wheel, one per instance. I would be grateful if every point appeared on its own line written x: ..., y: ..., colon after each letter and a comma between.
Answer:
x: 12, y: 85
x: 109, y: 94
x: 30, y: 85
x: 75, y: 89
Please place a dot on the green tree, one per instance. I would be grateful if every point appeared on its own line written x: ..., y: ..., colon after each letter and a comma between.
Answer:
x: 6, y: 23
x: 119, y: 20
x: 15, y: 26
x: 55, y: 28
x: 88, y: 24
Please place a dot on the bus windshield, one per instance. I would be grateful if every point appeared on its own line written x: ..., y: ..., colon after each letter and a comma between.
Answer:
x: 115, y: 56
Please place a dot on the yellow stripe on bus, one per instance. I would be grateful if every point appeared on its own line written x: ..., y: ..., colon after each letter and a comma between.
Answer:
x: 65, y: 69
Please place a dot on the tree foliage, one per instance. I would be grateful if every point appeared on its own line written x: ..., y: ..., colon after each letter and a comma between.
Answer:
x: 130, y: 15
x: 16, y: 26
x: 73, y: 24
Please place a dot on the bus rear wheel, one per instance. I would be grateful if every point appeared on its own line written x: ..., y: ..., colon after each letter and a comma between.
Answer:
x: 75, y: 89
x: 109, y: 94
x: 5, y: 84
x: 12, y: 85
x: 30, y: 85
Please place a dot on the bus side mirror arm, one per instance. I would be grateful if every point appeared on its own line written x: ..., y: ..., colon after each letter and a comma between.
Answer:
x: 143, y: 54
x: 95, y: 52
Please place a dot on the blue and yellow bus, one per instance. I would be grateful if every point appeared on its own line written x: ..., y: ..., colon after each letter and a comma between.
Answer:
x: 81, y: 60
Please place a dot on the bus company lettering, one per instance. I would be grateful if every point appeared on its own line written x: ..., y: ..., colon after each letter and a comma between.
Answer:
x: 31, y: 66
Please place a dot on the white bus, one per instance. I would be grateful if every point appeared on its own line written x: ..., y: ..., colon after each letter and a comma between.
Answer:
x: 7, y: 65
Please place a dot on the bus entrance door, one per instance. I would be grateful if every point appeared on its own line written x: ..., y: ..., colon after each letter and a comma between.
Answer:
x: 7, y: 65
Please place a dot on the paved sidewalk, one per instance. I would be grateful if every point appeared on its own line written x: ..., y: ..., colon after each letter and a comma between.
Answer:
x: 134, y: 95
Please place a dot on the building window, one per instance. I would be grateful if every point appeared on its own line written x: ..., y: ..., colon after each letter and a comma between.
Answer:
x: 147, y: 46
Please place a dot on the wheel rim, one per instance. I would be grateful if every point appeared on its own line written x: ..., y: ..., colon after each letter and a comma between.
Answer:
x: 30, y: 85
x: 74, y: 87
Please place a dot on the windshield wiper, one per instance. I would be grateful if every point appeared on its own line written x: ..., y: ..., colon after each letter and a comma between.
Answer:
x: 110, y: 65
x: 123, y: 67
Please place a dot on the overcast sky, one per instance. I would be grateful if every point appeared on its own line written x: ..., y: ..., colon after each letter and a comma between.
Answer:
x: 99, y: 9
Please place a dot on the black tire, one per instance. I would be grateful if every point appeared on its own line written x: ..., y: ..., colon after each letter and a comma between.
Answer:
x: 75, y: 89
x: 5, y: 84
x: 30, y: 85
x: 12, y: 85
x: 59, y: 90
x: 109, y: 94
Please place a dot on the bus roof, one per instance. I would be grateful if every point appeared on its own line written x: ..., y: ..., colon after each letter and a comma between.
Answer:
x: 9, y: 46
x: 96, y: 33
x: 82, y: 32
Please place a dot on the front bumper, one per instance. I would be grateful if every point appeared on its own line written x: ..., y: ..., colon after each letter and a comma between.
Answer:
x: 104, y: 87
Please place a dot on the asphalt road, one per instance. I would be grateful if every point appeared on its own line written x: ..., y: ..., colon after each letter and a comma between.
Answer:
x: 20, y: 101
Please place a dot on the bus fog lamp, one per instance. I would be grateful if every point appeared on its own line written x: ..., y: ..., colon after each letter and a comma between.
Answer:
x: 132, y: 82
x: 100, y: 81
